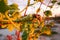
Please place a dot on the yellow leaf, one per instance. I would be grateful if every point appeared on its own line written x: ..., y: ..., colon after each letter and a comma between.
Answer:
x: 42, y: 24
x: 5, y: 1
x: 16, y: 15
x: 18, y: 25
x: 32, y: 30
x: 40, y: 0
x: 48, y: 32
x: 3, y: 26
x: 26, y: 24
x: 10, y: 27
x: 36, y: 36
x: 1, y: 16
x: 31, y: 25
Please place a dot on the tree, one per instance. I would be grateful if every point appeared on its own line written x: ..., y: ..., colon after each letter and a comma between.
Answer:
x: 4, y: 6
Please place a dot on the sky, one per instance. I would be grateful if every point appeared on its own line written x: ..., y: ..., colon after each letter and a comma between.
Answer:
x: 23, y: 3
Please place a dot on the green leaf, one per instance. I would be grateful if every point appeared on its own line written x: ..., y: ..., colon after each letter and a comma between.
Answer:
x: 17, y: 20
x: 54, y: 32
x: 52, y: 23
x: 48, y: 13
x: 3, y: 6
x: 25, y: 35
x: 44, y: 29
x: 11, y: 11
x: 37, y: 31
x: 23, y: 27
x: 29, y: 22
x: 26, y: 18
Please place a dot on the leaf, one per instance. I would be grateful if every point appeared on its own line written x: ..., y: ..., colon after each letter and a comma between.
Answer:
x: 6, y: 1
x: 51, y: 6
x: 16, y: 15
x: 52, y: 23
x: 58, y: 3
x: 1, y: 17
x: 25, y: 35
x: 17, y: 20
x: 42, y: 24
x: 14, y: 6
x: 11, y: 12
x: 54, y: 1
x: 54, y: 32
x: 4, y: 22
x: 18, y: 26
x: 10, y: 27
x: 4, y: 26
x: 3, y: 6
x: 46, y: 31
x: 48, y: 13
x: 26, y: 18
x: 29, y: 22
x: 39, y: 0
x: 44, y: 28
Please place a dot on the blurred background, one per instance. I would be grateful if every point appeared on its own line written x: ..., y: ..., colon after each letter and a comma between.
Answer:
x: 31, y: 9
